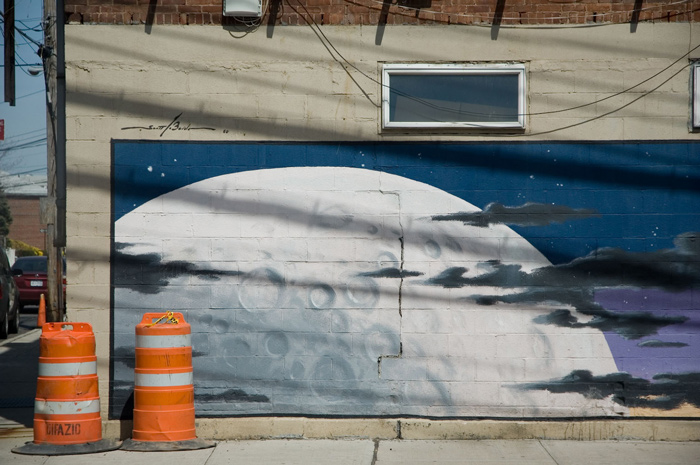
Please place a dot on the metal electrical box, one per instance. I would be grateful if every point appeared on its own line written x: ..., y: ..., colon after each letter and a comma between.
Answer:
x: 244, y: 8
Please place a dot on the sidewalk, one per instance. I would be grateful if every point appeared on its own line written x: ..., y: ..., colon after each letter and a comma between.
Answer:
x: 385, y: 452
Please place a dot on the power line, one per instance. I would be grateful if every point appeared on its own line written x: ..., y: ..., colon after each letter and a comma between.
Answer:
x: 25, y: 135
x: 25, y: 64
x: 33, y: 134
x: 23, y: 34
x: 329, y: 46
x: 327, y: 43
x: 10, y: 175
x: 333, y: 51
x: 31, y: 93
x: 598, y: 16
x: 32, y: 183
x: 27, y: 28
x: 25, y: 145
x: 609, y: 112
x: 622, y: 91
x: 26, y: 36
x: 24, y: 29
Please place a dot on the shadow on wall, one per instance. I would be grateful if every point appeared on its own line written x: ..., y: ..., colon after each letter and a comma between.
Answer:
x: 573, y: 285
x: 277, y: 320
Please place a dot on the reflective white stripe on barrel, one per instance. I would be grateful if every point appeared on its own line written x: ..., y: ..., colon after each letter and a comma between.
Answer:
x: 71, y: 407
x: 68, y: 369
x: 163, y: 342
x: 164, y: 379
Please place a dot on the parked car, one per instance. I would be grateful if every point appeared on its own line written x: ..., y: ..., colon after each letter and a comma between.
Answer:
x: 31, y: 279
x: 9, y: 299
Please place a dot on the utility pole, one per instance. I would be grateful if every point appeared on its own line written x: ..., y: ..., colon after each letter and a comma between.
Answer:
x: 52, y: 55
x: 9, y: 38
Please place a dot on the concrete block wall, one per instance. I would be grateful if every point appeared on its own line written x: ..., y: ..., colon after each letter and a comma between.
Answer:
x: 338, y: 12
x: 292, y: 88
x: 197, y: 86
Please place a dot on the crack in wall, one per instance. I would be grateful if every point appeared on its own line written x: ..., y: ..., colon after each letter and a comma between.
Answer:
x: 401, y: 269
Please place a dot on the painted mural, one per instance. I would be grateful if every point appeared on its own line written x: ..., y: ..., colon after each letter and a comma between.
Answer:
x: 520, y: 280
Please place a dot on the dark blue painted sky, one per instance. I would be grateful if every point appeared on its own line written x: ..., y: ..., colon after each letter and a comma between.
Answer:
x: 645, y: 193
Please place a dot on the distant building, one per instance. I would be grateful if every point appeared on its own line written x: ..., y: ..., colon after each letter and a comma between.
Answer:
x: 26, y: 226
x: 24, y: 194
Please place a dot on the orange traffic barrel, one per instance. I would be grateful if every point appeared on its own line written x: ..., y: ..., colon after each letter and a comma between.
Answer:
x: 67, y: 404
x: 164, y: 386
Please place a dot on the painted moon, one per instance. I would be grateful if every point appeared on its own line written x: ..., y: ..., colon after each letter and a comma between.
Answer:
x: 312, y: 291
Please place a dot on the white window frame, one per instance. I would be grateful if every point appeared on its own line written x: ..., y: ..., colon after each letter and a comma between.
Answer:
x: 695, y: 107
x: 436, y: 69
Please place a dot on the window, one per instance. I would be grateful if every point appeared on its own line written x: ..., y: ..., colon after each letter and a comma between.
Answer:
x: 695, y: 110
x: 453, y: 96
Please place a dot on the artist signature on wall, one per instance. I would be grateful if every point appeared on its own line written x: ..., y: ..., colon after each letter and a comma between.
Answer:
x: 174, y: 125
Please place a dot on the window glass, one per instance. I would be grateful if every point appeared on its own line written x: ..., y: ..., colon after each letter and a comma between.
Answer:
x: 31, y: 265
x: 434, y: 96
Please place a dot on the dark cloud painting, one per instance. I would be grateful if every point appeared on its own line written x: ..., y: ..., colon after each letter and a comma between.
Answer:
x: 664, y: 391
x: 529, y: 214
x: 575, y: 285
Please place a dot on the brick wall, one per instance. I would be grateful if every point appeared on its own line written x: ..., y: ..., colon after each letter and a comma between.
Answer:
x: 371, y: 12
x: 26, y: 226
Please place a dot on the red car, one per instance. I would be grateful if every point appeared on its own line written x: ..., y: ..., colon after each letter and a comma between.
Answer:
x: 31, y: 279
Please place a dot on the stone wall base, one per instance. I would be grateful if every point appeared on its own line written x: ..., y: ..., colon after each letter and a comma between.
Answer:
x: 393, y: 428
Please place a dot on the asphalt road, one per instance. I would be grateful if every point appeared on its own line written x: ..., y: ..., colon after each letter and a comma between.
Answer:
x: 27, y: 322
x: 19, y: 364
